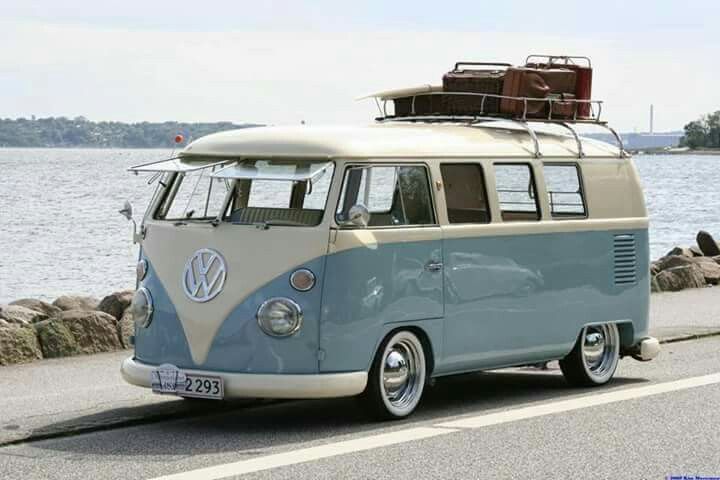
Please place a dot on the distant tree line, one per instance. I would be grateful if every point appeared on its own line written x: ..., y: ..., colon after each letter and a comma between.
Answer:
x: 703, y: 133
x: 80, y: 132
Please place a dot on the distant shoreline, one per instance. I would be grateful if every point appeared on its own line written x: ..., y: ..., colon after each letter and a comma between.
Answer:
x: 705, y: 151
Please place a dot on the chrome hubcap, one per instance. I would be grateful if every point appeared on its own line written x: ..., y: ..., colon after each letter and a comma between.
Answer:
x: 396, y: 373
x: 403, y: 373
x: 600, y: 349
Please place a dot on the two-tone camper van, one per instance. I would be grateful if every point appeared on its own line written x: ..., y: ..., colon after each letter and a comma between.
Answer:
x: 310, y: 262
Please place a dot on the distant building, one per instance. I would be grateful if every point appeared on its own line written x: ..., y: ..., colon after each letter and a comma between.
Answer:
x: 640, y: 141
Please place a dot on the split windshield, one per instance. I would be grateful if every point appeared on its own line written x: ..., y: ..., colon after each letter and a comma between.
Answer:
x: 249, y: 192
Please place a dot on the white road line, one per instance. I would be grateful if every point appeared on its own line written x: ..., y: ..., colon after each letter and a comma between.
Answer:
x: 308, y: 454
x: 303, y: 455
x: 581, y: 402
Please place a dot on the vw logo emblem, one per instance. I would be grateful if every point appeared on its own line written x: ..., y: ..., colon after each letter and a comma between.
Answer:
x: 204, y: 275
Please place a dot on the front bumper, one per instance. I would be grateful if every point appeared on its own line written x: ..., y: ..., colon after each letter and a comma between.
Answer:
x: 255, y: 385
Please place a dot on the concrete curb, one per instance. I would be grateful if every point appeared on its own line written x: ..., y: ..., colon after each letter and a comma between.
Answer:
x: 689, y: 336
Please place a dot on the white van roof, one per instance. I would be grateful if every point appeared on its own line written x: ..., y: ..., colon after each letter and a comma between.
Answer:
x: 392, y: 139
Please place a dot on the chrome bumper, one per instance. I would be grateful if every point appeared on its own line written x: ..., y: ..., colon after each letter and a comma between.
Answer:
x: 251, y: 385
x: 647, y: 349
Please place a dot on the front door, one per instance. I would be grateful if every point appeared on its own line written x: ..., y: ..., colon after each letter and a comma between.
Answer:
x: 383, y: 268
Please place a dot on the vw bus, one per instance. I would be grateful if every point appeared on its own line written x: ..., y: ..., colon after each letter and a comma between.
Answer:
x: 311, y: 262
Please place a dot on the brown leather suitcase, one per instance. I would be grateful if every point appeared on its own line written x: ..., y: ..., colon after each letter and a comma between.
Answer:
x: 582, y: 68
x: 562, y: 106
x: 523, y: 82
x: 560, y: 80
x: 483, y: 77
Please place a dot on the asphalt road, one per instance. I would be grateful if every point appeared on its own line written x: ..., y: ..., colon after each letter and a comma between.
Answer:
x: 512, y: 424
x: 75, y: 418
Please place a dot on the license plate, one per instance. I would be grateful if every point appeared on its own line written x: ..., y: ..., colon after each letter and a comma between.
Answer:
x: 168, y: 379
x: 201, y: 386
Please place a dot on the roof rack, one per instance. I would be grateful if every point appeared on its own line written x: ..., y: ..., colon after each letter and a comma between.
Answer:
x: 482, y: 118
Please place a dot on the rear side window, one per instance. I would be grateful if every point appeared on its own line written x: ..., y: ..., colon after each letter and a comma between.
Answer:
x: 516, y: 192
x: 394, y: 195
x: 564, y: 190
x: 465, y: 193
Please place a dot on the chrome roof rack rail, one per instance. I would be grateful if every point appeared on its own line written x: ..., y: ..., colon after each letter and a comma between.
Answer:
x: 522, y: 120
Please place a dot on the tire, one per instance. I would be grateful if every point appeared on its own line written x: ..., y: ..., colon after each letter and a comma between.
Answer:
x: 397, y: 377
x: 594, y: 358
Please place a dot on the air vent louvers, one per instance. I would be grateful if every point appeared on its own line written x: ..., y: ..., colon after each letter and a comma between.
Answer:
x: 624, y: 259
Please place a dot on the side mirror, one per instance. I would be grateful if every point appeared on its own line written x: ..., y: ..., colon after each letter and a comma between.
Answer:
x: 127, y: 210
x: 359, y: 215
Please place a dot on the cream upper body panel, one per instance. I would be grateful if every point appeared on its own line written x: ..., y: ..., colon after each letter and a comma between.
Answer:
x: 390, y: 140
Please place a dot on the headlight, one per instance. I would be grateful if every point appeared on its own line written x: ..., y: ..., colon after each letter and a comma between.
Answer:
x: 141, y: 307
x: 141, y: 269
x: 279, y: 317
x: 302, y: 280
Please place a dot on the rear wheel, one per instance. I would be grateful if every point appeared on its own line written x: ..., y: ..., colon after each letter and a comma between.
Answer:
x: 594, y: 358
x: 397, y: 377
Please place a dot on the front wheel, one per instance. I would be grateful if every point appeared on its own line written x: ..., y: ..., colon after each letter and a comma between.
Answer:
x: 594, y: 358
x: 397, y: 377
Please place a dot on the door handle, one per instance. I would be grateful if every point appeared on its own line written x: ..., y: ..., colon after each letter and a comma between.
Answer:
x: 432, y: 266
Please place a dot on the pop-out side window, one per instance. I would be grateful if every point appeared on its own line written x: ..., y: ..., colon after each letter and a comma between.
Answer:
x: 516, y: 191
x: 564, y: 191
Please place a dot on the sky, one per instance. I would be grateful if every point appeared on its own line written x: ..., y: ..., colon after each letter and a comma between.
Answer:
x: 282, y: 62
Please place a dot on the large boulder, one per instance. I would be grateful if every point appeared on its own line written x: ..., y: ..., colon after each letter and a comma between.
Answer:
x: 126, y: 328
x: 710, y: 269
x: 672, y: 261
x: 38, y: 306
x: 683, y: 251
x: 679, y: 278
x: 18, y: 345
x: 20, y: 315
x: 76, y: 302
x: 707, y: 244
x: 116, y: 303
x: 56, y: 339
x: 78, y: 331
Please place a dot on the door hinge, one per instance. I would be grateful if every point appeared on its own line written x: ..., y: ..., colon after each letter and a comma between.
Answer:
x: 321, y: 354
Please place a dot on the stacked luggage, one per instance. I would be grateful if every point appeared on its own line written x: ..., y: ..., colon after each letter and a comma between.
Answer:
x: 562, y: 86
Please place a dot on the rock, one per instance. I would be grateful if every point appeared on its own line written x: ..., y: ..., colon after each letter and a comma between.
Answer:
x: 76, y: 302
x: 654, y: 285
x: 710, y: 269
x: 18, y: 345
x: 38, y: 306
x: 126, y: 328
x: 680, y: 251
x: 654, y: 268
x: 696, y: 252
x: 56, y: 339
x: 20, y: 315
x: 679, y: 278
x: 672, y: 261
x: 78, y: 331
x: 717, y: 259
x: 707, y: 244
x: 116, y: 303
